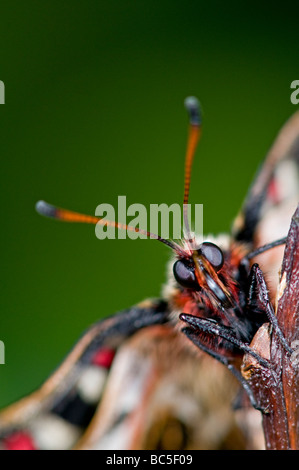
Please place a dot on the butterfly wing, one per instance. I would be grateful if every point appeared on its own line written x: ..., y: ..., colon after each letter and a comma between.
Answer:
x: 271, y: 201
x: 56, y: 415
x: 276, y: 183
x: 162, y: 395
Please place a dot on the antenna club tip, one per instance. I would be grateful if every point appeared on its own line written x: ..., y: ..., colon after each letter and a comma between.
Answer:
x: 43, y: 208
x: 194, y: 109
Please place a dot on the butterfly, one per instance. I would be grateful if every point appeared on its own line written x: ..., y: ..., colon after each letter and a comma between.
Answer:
x: 163, y: 373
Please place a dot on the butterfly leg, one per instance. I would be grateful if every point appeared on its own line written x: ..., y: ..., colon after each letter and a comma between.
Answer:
x: 258, y: 292
x: 194, y: 337
x: 212, y: 328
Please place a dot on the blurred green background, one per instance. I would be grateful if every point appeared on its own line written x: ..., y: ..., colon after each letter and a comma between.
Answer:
x: 94, y: 109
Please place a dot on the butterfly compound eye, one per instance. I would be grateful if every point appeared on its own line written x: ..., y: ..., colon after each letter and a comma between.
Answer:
x: 184, y: 274
x: 213, y: 254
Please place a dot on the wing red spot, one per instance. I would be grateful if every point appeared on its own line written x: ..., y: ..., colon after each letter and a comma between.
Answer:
x: 103, y: 357
x: 273, y: 191
x: 19, y: 441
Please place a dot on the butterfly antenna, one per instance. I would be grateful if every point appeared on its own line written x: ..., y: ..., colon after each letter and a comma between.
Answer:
x: 53, y: 212
x: 193, y: 107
